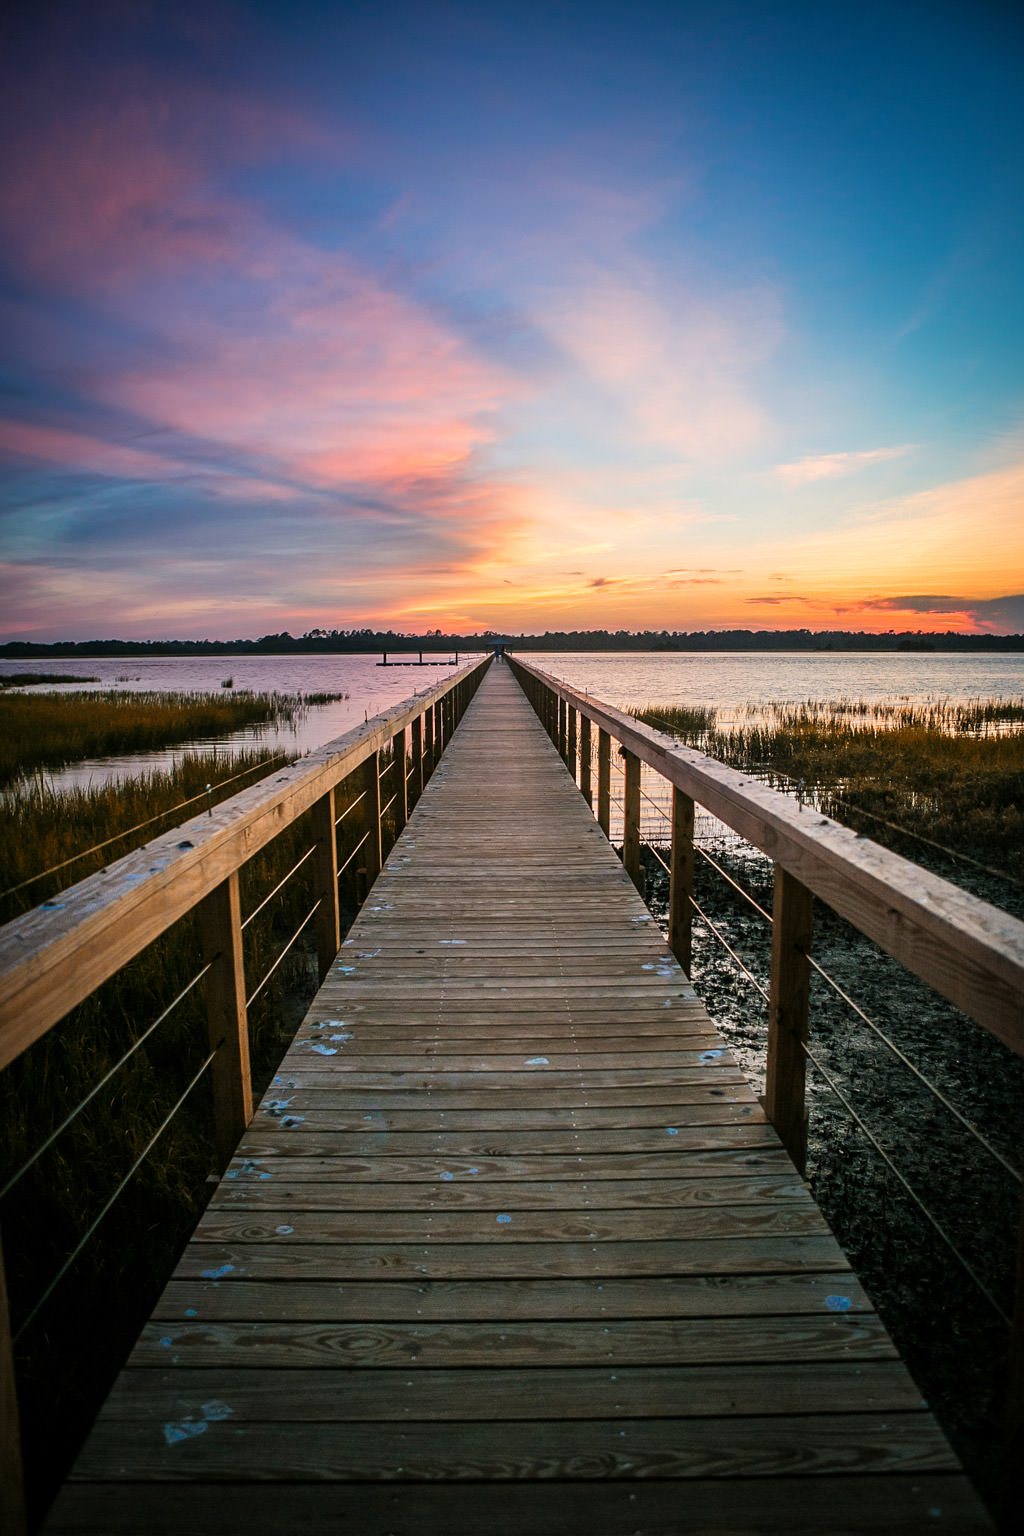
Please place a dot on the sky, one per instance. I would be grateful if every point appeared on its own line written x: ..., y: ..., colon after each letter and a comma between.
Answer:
x: 510, y: 317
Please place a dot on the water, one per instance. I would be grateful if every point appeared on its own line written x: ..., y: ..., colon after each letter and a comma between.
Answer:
x: 740, y: 684
x: 369, y: 688
x: 734, y: 683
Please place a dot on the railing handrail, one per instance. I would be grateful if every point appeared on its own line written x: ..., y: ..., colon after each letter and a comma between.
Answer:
x: 966, y: 949
x: 53, y: 957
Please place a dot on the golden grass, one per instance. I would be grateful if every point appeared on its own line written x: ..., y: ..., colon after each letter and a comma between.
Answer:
x: 51, y: 730
x: 951, y: 773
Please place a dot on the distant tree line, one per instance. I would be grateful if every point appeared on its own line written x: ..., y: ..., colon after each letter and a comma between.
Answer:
x: 341, y: 641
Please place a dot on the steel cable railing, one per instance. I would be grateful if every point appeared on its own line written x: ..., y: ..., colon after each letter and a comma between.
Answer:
x: 69, y: 1261
x: 918, y: 1202
x: 350, y: 807
x: 278, y: 887
x: 361, y: 843
x: 309, y: 915
x: 129, y: 1053
x: 830, y: 981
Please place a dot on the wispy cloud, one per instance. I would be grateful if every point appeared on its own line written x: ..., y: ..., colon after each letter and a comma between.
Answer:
x: 833, y: 466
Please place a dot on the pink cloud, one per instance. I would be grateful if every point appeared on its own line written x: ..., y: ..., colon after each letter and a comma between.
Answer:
x: 120, y: 187
x: 78, y: 451
x: 341, y: 383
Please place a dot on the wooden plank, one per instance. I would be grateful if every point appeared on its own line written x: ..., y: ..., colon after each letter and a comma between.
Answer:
x: 695, y: 1296
x: 681, y: 861
x: 581, y: 1392
x: 787, y: 1014
x: 408, y: 1346
x: 291, y: 1227
x: 589, y: 1193
x: 747, y: 1254
x: 783, y: 1506
x: 325, y: 867
x: 413, y: 1452
x: 415, y: 1169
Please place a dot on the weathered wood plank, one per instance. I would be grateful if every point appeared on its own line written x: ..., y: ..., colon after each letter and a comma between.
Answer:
x: 749, y: 1254
x: 599, y: 1194
x: 738, y: 1295
x: 652, y: 1341
x: 712, y: 1391
x: 782, y: 1506
x: 528, y: 1451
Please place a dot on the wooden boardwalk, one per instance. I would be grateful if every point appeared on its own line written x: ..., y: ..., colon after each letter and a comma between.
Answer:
x: 509, y: 1246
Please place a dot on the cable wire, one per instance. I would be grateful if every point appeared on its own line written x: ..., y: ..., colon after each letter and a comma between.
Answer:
x: 726, y: 945
x: 37, y: 1154
x: 357, y: 801
x: 352, y: 855
x: 58, y: 1277
x: 982, y: 1287
x: 250, y: 1000
x: 279, y: 886
x: 96, y: 847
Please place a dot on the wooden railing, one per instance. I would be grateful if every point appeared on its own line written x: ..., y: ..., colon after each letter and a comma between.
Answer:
x: 970, y: 952
x: 56, y: 956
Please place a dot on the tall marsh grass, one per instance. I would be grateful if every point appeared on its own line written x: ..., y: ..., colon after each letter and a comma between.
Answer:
x: 951, y: 773
x: 51, y: 730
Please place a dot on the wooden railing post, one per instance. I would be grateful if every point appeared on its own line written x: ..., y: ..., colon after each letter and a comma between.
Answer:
x: 562, y: 752
x: 220, y: 919
x: 631, y: 818
x: 325, y: 867
x: 427, y: 765
x: 401, y: 806
x: 440, y: 740
x: 417, y: 757
x: 604, y: 781
x: 371, y: 818
x: 585, y: 749
x: 13, y: 1518
x: 680, y: 907
x: 571, y: 743
x: 789, y: 993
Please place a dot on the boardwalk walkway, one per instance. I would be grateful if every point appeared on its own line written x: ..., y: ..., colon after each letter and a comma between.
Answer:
x: 509, y: 1246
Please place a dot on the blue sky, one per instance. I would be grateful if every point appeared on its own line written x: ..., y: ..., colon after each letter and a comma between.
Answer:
x: 682, y: 316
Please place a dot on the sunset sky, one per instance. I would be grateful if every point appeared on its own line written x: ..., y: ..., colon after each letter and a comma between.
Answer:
x: 511, y: 317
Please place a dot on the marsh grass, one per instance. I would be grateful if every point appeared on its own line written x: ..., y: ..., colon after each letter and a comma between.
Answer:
x: 951, y: 773
x: 68, y: 1356
x: 51, y: 730
x: 42, y: 829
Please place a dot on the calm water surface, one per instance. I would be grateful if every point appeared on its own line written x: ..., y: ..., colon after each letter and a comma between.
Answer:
x: 733, y: 682
x: 369, y: 688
